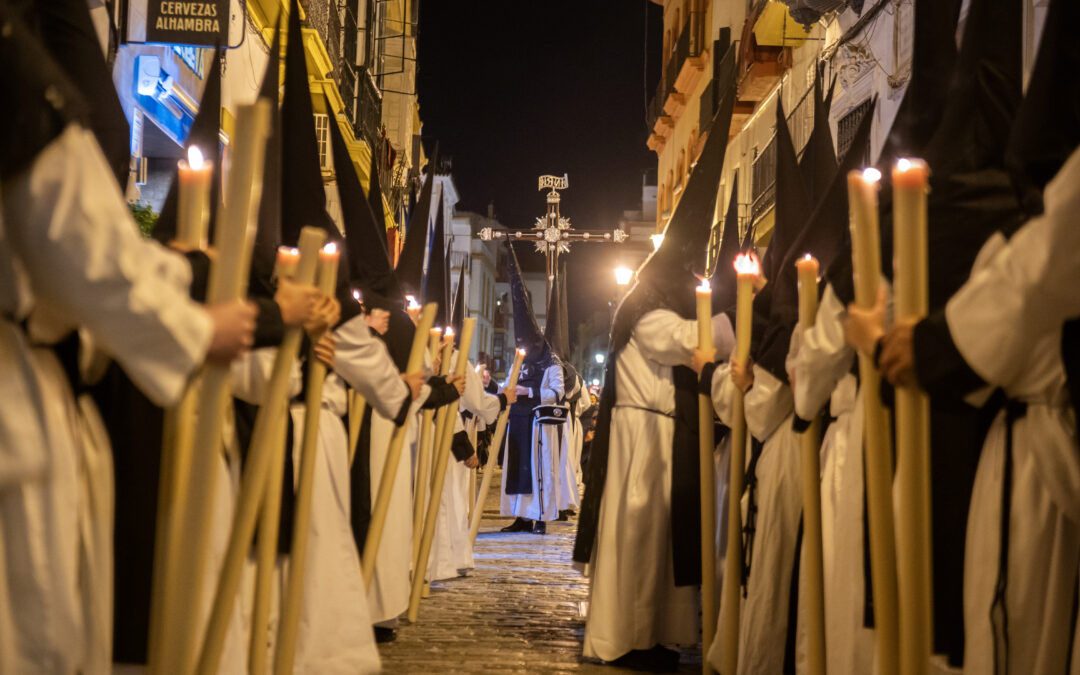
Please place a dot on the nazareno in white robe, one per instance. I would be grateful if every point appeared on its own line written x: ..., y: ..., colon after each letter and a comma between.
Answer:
x: 822, y: 374
x: 71, y: 256
x: 633, y: 600
x: 335, y: 634
x: 542, y: 503
x: 764, y: 617
x: 1044, y: 518
x: 452, y: 549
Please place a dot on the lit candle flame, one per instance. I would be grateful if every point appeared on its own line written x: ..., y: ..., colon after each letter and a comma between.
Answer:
x: 747, y: 263
x: 410, y: 300
x: 330, y: 249
x: 521, y: 352
x: 807, y: 257
x: 435, y: 331
x: 871, y: 175
x: 704, y: 287
x: 356, y: 296
x: 449, y: 331
x: 903, y: 164
x: 195, y: 158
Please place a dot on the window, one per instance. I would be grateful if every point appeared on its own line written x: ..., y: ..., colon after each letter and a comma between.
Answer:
x: 846, y: 127
x: 322, y: 136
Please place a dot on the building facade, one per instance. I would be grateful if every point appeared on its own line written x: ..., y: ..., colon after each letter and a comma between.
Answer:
x: 160, y: 86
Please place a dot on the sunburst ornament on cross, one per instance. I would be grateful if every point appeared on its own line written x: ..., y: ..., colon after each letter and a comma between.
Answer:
x: 552, y: 234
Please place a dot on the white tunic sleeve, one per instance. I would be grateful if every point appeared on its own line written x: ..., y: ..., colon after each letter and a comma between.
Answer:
x: 1027, y: 290
x: 88, y: 264
x: 768, y: 403
x: 723, y: 393
x: 363, y: 361
x: 666, y: 338
x: 552, y: 387
x: 823, y: 357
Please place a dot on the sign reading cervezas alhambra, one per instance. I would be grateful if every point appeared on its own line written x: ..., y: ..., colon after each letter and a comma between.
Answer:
x: 188, y: 22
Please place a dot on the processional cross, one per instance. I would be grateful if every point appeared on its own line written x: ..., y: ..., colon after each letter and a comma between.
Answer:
x: 552, y: 234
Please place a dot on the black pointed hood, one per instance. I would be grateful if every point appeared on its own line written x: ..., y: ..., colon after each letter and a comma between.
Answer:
x: 669, y: 275
x: 460, y: 311
x: 527, y: 333
x: 933, y: 61
x: 436, y: 286
x: 971, y: 195
x: 674, y: 268
x: 724, y: 279
x: 827, y: 235
x: 410, y: 267
x: 818, y: 161
x: 204, y: 134
x: 369, y: 260
x: 792, y: 200
x: 268, y: 234
x: 555, y: 326
x: 1047, y: 125
x: 303, y: 198
x: 67, y: 31
x: 777, y: 311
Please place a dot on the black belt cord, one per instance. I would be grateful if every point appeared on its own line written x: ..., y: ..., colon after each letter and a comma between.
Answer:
x: 751, y: 511
x: 999, y: 617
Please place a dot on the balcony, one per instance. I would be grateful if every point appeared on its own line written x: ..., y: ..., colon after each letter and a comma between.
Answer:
x: 722, y: 80
x: 765, y: 50
x: 763, y: 186
x: 659, y: 121
x: 688, y: 63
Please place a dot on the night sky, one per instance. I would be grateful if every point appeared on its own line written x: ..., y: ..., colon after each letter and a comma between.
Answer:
x: 514, y: 90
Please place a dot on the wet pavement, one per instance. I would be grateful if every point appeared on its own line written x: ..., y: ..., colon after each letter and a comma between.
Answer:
x: 521, y: 610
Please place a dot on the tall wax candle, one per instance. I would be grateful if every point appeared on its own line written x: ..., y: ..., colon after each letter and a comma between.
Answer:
x: 193, y: 204
x: 866, y: 264
x: 913, y: 515
x: 813, y: 557
x: 807, y: 267
x: 747, y: 269
x: 707, y: 488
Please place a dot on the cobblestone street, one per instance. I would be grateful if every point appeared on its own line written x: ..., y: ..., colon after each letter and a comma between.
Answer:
x: 521, y: 610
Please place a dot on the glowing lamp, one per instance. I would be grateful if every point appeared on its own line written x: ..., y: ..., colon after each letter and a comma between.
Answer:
x: 623, y: 275
x: 657, y: 240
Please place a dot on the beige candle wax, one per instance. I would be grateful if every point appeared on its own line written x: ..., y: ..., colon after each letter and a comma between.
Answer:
x: 913, y: 514
x: 193, y: 204
x: 747, y: 269
x: 866, y: 268
x: 808, y: 285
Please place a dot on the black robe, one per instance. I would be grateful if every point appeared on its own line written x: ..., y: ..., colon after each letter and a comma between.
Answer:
x: 517, y: 464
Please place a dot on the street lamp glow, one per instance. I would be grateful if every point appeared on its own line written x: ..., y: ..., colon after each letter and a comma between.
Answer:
x: 657, y: 240
x: 596, y: 382
x: 623, y: 275
x: 599, y: 358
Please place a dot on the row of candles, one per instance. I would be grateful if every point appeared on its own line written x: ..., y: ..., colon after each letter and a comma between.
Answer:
x: 900, y: 541
x: 902, y: 591
x: 258, y: 495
